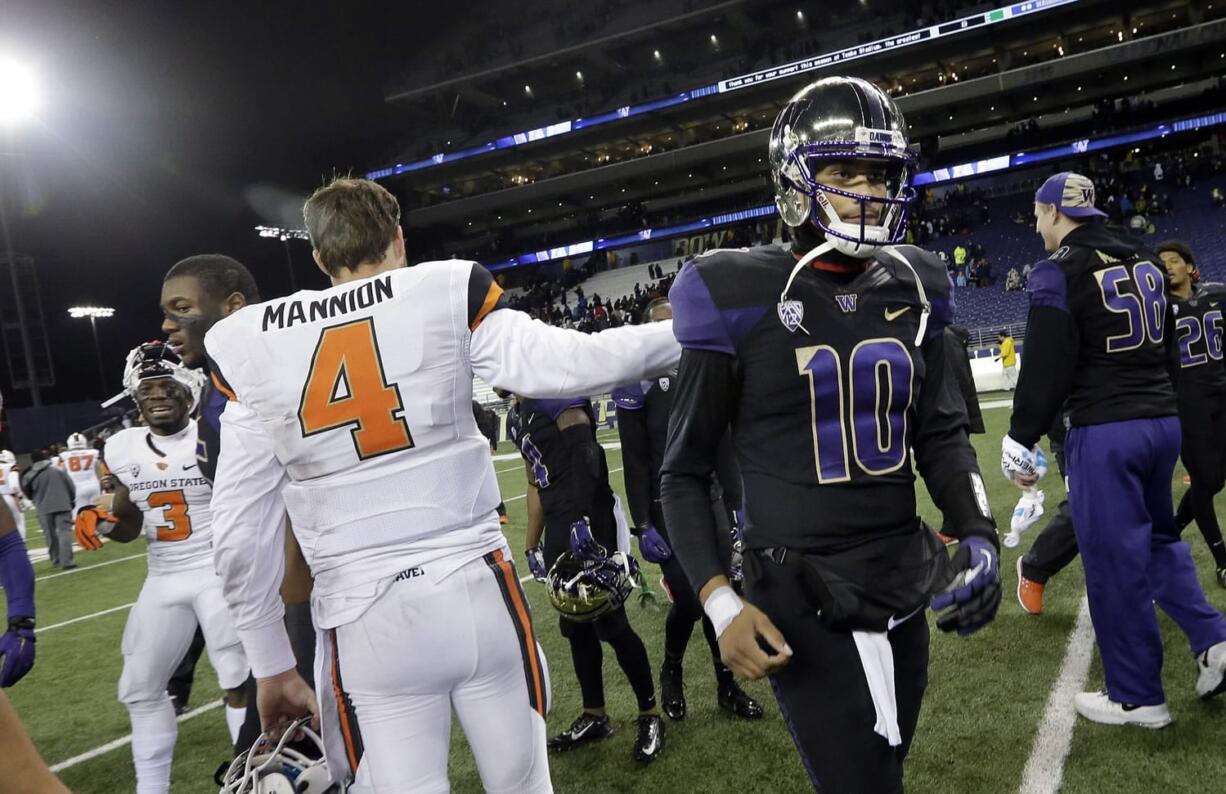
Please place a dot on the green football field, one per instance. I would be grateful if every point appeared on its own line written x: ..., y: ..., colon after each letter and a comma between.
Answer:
x: 985, y: 703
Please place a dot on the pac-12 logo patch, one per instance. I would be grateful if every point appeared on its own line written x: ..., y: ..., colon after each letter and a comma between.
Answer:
x: 791, y: 314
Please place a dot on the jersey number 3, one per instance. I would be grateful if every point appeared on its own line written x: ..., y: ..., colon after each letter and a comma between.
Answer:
x: 174, y: 510
x: 346, y: 386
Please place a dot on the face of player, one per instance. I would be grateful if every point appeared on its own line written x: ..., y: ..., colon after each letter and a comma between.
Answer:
x: 867, y: 177
x: 1177, y: 268
x: 163, y: 404
x: 661, y: 313
x: 1044, y: 225
x: 189, y: 313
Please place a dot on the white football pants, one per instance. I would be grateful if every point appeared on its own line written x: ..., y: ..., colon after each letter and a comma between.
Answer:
x: 158, y: 633
x: 389, y: 680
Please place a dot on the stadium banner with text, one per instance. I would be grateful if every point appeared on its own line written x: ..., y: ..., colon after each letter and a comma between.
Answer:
x: 937, y: 176
x: 888, y: 44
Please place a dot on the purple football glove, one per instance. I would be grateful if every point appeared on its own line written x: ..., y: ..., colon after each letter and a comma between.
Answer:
x: 583, y: 545
x: 970, y: 601
x: 653, y: 546
x: 536, y: 563
x: 16, y: 653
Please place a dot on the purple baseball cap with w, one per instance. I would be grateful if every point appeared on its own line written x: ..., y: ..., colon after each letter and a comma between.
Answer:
x: 1072, y: 193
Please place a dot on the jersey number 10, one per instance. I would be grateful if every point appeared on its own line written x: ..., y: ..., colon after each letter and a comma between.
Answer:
x: 878, y: 387
x: 346, y: 386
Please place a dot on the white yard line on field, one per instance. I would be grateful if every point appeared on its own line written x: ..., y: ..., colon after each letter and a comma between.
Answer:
x: 84, y: 568
x: 91, y: 616
x: 1045, y: 767
x: 109, y: 746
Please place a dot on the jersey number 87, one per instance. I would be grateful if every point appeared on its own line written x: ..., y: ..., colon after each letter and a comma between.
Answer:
x: 346, y: 385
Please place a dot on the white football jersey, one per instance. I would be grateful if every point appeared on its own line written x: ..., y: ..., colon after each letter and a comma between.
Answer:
x: 164, y: 481
x: 354, y: 407
x: 79, y: 465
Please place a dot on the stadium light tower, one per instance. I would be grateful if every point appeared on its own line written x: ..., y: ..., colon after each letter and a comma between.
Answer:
x: 93, y: 313
x: 19, y: 102
x: 19, y: 94
x: 285, y: 235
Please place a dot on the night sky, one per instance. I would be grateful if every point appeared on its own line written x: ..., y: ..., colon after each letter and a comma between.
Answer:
x: 173, y: 128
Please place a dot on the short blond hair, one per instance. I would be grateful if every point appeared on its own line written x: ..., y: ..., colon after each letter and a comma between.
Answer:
x: 351, y: 222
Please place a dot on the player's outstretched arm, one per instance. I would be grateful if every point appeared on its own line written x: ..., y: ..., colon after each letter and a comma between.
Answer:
x: 248, y: 541
x: 22, y: 771
x: 512, y: 351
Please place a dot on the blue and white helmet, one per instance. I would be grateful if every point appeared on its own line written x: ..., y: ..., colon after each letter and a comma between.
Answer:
x: 154, y: 360
x: 841, y: 118
x: 275, y: 767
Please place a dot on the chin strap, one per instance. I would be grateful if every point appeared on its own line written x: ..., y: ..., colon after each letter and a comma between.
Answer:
x: 925, y: 306
x: 801, y: 264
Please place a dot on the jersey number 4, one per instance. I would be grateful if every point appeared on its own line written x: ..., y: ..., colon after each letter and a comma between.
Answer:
x: 346, y: 386
x: 878, y: 386
x: 174, y: 512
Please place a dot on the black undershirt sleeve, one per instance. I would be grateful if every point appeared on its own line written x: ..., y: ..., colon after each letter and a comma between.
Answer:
x: 728, y: 472
x: 944, y: 455
x: 703, y: 405
x: 636, y: 460
x: 1052, y: 342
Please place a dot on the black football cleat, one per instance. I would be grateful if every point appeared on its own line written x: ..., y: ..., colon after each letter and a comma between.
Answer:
x: 1221, y: 577
x: 586, y: 728
x: 649, y: 742
x: 672, y: 691
x: 734, y: 700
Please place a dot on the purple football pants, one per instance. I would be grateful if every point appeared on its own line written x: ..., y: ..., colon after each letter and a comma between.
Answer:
x: 1120, y: 496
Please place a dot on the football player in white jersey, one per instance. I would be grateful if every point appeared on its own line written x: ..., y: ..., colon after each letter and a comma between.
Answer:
x: 353, y: 405
x: 80, y: 462
x: 160, y: 493
x: 10, y: 490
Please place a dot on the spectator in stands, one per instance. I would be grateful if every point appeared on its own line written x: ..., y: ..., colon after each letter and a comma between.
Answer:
x: 1013, y: 281
x: 52, y: 492
x: 960, y: 254
x: 1217, y: 198
x: 1008, y: 359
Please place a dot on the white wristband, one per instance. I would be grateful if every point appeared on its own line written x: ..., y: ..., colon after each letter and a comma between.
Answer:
x: 721, y: 607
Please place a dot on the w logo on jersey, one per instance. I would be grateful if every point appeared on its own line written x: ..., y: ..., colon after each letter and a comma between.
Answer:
x: 846, y: 302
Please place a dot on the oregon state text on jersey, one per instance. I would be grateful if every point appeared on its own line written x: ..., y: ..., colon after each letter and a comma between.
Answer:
x: 165, y: 484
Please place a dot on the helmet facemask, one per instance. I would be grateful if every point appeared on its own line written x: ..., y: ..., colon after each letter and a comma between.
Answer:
x: 802, y: 199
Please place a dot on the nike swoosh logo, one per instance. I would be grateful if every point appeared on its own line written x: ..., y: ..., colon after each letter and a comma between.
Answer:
x: 891, y: 623
x: 185, y: 468
x: 890, y: 316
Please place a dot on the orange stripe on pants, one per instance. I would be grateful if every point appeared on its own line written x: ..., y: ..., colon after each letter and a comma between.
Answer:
x: 520, y: 613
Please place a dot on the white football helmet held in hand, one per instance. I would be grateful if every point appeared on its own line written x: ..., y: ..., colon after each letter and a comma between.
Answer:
x: 273, y: 767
